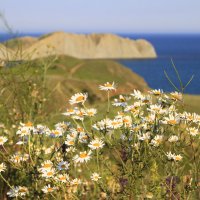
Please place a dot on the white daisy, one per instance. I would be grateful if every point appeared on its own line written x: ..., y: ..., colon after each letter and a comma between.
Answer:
x: 56, y: 133
x: 173, y: 138
x: 91, y: 112
x: 78, y: 98
x: 156, y: 92
x: 48, y: 174
x: 176, y: 96
x: 18, y: 191
x: 75, y: 182
x: 95, y: 176
x: 96, y: 144
x: 62, y: 178
x: 157, y: 140
x: 193, y: 131
x: 63, y: 165
x: 82, y: 157
x: 3, y: 140
x: 108, y: 86
x: 46, y: 166
x: 48, y: 189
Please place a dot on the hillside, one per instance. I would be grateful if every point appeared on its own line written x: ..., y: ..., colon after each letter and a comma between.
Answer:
x: 67, y: 76
x: 20, y: 42
x: 91, y: 46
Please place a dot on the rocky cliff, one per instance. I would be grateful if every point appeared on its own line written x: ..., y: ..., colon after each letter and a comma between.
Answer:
x: 91, y: 46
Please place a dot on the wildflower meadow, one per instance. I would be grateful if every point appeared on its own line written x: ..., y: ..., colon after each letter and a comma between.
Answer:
x: 140, y: 146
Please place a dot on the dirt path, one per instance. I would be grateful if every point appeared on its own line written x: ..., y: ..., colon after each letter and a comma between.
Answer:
x: 74, y: 69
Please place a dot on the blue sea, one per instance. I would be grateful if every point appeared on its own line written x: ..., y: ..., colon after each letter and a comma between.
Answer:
x: 183, y: 49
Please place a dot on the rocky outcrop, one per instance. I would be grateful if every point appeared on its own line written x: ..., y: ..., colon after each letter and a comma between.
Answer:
x: 91, y: 46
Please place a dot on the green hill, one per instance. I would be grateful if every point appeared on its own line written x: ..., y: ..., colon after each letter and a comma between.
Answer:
x: 62, y: 76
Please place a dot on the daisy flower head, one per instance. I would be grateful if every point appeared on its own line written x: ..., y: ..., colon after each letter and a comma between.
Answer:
x: 156, y: 108
x: 108, y: 86
x: 116, y: 123
x: 70, y: 142
x: 48, y: 189
x: 176, y: 96
x: 193, y: 131
x: 144, y: 137
x: 78, y: 98
x: 46, y: 165
x: 18, y: 191
x: 63, y: 178
x: 171, y: 120
x: 127, y: 121
x: 157, y: 140
x: 16, y: 158
x: 48, y: 174
x: 156, y: 92
x: 70, y: 111
x: 56, y: 133
x: 82, y: 157
x: 2, y: 167
x: 173, y: 157
x: 178, y: 157
x: 75, y: 182
x: 62, y: 126
x: 23, y: 131
x: 104, y: 124
x: 79, y: 114
x: 63, y: 165
x: 83, y: 137
x: 96, y: 144
x: 91, y: 112
x: 138, y: 95
x: 173, y: 138
x: 3, y: 140
x: 40, y: 129
x: 95, y: 177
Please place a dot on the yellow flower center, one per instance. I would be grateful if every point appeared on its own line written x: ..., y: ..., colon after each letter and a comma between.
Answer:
x: 83, y: 155
x: 80, y: 98
x: 17, y: 158
x: 108, y: 85
x: 90, y: 113
x: 49, y: 189
x: 115, y: 123
x: 62, y: 178
x: 172, y: 122
x: 126, y: 121
x: 157, y: 93
x: 178, y: 158
x: 47, y: 165
x: 49, y: 173
x: 96, y: 144
x: 28, y: 124
x: 56, y: 132
x: 22, y: 190
x: 71, y: 142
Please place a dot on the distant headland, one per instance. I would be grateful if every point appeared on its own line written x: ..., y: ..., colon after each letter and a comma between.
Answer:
x: 83, y: 46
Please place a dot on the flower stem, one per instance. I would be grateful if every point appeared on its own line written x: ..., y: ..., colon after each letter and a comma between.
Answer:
x: 6, y: 181
x: 108, y: 109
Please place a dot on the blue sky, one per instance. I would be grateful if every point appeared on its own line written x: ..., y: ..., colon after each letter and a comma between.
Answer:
x: 128, y: 16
